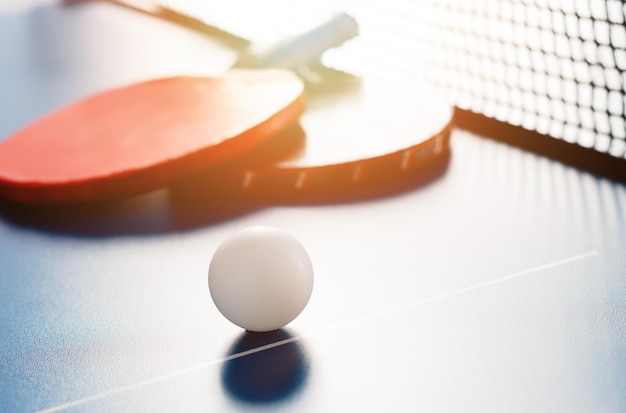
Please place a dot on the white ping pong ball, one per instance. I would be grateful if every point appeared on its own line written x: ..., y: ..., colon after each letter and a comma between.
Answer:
x: 260, y: 278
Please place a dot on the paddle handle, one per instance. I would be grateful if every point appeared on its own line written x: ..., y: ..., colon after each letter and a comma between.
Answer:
x: 298, y: 50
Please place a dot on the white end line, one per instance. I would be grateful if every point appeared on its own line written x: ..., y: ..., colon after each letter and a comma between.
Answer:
x: 471, y: 288
x: 297, y: 338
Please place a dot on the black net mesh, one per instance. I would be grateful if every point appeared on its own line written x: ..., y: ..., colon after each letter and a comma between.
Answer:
x: 552, y: 66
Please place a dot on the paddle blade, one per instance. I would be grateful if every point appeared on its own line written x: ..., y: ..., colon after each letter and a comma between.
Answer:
x: 147, y: 135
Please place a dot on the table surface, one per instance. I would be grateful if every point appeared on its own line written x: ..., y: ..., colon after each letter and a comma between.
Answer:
x: 498, y: 286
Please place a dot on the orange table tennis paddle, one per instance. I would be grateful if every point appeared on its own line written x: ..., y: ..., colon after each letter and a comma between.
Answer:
x: 146, y: 136
x: 360, y: 136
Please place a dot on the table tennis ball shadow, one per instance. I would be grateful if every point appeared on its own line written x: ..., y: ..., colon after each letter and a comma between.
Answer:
x: 269, y: 376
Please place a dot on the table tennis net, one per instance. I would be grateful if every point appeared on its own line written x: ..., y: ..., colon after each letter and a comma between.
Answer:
x: 556, y: 67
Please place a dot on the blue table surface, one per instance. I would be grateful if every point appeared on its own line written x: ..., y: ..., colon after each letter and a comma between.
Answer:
x: 498, y: 286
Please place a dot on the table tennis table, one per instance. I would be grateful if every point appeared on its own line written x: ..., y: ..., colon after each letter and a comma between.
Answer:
x: 499, y: 285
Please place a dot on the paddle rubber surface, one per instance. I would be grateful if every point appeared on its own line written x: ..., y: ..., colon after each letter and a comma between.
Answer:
x: 357, y: 136
x: 145, y: 136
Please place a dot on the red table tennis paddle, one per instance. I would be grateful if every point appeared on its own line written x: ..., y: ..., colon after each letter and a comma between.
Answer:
x: 146, y: 136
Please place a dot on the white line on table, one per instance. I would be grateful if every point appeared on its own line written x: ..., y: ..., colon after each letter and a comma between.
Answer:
x: 296, y: 338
